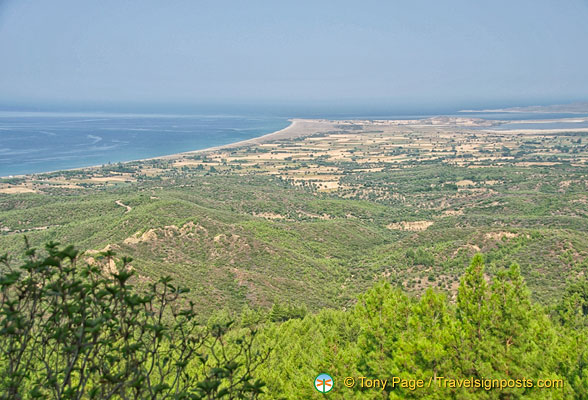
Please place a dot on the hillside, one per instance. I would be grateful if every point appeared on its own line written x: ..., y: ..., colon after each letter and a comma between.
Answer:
x: 318, y: 219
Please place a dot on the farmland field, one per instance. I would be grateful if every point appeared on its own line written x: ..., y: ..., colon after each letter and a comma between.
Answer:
x: 319, y: 215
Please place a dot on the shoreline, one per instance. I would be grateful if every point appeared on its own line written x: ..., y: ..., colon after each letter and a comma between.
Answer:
x: 241, y: 143
x: 279, y: 134
x: 302, y: 127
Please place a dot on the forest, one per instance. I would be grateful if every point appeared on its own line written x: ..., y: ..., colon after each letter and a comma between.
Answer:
x: 70, y: 331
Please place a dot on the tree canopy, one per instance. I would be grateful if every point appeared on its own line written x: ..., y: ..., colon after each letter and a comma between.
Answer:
x: 73, y: 329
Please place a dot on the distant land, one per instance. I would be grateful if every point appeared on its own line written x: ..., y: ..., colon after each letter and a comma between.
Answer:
x: 572, y: 108
x: 317, y: 212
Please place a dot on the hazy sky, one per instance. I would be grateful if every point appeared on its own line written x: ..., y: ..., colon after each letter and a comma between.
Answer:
x: 277, y: 51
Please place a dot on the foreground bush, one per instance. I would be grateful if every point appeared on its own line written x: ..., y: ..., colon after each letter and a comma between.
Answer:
x: 71, y: 330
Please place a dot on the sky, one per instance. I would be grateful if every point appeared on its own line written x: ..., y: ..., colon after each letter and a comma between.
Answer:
x: 399, y: 53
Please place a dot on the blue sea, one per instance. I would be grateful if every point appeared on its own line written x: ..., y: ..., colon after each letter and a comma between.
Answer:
x: 34, y: 142
x: 41, y: 142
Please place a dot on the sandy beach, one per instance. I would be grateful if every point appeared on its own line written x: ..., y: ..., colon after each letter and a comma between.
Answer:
x: 300, y: 128
x: 297, y: 128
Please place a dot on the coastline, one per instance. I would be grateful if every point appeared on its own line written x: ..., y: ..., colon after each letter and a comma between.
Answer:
x: 247, y: 142
x: 300, y: 127
x: 297, y: 128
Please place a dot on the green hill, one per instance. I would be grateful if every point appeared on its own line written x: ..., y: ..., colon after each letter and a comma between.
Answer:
x: 256, y: 240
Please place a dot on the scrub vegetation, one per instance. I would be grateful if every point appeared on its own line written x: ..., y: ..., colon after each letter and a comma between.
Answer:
x: 348, y: 251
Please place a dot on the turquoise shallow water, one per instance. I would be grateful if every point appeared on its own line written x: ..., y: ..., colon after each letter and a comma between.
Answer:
x: 34, y: 142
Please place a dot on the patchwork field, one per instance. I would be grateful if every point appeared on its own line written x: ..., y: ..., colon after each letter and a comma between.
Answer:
x: 320, y: 211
